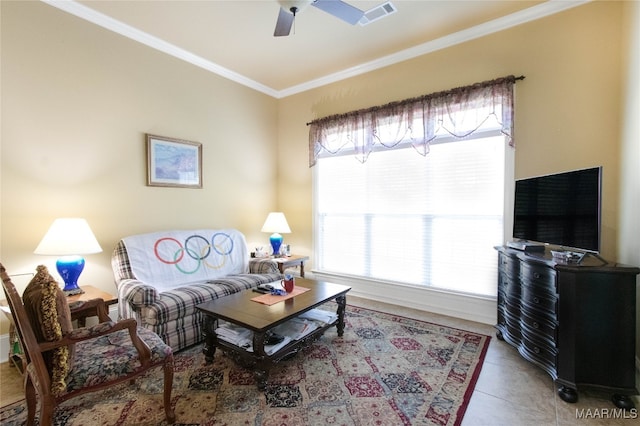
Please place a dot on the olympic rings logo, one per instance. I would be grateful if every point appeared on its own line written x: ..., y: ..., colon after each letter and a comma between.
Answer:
x: 197, y: 248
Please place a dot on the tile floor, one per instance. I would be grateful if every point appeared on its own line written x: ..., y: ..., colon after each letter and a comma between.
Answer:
x: 510, y: 390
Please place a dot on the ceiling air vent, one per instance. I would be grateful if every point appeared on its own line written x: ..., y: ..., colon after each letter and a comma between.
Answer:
x: 377, y: 12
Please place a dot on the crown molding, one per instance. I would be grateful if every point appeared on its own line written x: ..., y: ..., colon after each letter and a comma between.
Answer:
x: 128, y: 31
x: 527, y: 15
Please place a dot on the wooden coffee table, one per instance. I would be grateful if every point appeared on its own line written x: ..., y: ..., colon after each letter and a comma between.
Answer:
x: 239, y: 309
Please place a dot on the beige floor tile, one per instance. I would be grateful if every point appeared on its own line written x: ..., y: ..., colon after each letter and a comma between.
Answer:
x: 489, y: 410
x: 522, y: 386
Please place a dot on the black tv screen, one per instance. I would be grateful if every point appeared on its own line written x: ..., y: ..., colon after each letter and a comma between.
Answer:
x: 561, y: 209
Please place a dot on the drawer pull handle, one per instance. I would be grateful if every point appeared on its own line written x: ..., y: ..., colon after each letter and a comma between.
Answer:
x: 536, y: 325
x: 536, y: 300
x: 536, y: 275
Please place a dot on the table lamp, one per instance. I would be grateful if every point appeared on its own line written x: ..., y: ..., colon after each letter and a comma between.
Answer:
x: 69, y: 238
x: 276, y: 223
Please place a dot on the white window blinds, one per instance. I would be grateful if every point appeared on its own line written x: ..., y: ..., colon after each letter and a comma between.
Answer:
x: 405, y: 218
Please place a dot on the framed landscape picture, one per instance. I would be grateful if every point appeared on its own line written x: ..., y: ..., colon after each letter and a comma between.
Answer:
x: 173, y: 162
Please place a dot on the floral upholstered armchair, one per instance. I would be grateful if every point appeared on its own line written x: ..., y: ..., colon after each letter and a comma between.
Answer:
x: 62, y: 362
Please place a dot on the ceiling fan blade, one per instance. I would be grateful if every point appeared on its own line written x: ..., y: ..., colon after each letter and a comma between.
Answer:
x: 340, y: 9
x: 284, y: 23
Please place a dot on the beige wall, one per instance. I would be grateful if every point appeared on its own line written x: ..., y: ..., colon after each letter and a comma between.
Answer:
x: 77, y: 100
x: 567, y: 108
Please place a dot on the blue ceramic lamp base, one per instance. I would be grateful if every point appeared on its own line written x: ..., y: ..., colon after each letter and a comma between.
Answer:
x: 70, y: 268
x: 276, y: 242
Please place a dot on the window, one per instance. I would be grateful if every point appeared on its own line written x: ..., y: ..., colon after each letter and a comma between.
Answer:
x: 423, y: 220
x: 426, y: 220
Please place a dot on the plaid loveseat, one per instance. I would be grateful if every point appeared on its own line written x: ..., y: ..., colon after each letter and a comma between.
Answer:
x: 162, y: 276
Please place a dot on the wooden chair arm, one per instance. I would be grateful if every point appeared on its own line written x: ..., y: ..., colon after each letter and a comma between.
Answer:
x: 103, y: 329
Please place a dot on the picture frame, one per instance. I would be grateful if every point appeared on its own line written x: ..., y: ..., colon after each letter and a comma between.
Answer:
x: 173, y: 162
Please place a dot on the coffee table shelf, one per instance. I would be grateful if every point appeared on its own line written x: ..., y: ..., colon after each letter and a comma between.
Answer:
x: 250, y: 360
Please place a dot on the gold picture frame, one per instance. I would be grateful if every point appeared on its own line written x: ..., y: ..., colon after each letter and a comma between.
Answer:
x: 173, y: 162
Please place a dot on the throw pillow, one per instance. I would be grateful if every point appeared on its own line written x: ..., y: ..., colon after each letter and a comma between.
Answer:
x: 48, y: 311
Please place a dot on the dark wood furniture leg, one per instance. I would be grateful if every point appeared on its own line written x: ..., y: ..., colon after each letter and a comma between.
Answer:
x: 623, y: 401
x: 261, y: 371
x: 568, y: 394
x: 342, y: 303
x: 210, y: 338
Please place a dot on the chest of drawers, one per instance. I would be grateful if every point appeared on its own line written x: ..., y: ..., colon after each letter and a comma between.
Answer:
x: 575, y: 321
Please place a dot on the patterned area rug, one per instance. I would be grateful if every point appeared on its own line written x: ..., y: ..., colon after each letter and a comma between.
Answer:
x: 385, y: 370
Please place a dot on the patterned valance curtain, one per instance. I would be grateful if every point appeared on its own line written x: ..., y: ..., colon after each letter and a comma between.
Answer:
x: 460, y: 112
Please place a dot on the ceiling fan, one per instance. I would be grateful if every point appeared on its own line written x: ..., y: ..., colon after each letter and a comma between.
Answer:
x: 337, y: 8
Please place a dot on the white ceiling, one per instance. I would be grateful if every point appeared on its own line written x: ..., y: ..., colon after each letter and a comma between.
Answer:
x: 235, y: 38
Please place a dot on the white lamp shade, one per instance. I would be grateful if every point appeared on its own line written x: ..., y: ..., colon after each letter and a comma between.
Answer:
x: 68, y: 237
x: 276, y: 222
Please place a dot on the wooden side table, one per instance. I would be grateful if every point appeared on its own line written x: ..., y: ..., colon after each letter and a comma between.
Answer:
x: 16, y: 354
x: 90, y: 292
x: 291, y: 261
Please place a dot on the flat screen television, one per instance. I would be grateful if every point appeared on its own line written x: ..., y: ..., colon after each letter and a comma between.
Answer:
x: 561, y: 209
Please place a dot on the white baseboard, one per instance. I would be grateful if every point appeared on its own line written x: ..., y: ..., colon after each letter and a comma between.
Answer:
x: 4, y: 348
x: 4, y: 339
x: 468, y: 307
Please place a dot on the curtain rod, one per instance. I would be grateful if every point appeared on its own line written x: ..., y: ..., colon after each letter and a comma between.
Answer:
x: 522, y: 77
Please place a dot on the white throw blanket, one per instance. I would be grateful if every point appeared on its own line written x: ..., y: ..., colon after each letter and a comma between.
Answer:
x: 169, y: 259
